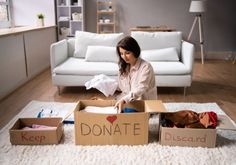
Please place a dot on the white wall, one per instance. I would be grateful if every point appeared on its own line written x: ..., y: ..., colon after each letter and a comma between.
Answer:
x: 25, y: 11
x: 219, y: 21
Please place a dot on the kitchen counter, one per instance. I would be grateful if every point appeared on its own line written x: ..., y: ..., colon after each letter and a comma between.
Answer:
x: 22, y: 29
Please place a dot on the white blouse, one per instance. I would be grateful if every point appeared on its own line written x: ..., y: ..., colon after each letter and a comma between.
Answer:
x: 139, y: 83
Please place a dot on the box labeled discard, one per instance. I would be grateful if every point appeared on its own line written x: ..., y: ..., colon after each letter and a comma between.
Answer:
x: 193, y: 137
x: 123, y: 128
x: 51, y: 135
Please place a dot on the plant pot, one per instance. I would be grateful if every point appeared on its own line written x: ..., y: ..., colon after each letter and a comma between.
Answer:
x: 40, y: 22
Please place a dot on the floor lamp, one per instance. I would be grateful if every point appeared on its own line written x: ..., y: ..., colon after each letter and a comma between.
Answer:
x: 198, y: 7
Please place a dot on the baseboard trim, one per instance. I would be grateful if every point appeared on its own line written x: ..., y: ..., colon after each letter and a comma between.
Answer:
x: 223, y: 55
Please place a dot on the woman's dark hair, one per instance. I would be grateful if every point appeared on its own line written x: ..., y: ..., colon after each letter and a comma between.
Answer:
x: 130, y: 44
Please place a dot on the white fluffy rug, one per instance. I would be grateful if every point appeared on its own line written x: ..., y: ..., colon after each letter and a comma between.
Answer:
x: 153, y: 153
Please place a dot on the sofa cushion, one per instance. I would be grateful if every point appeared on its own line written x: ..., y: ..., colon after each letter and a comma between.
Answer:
x: 101, y: 54
x: 166, y: 54
x: 77, y: 66
x: 170, y: 68
x: 84, y: 39
x: 158, y: 40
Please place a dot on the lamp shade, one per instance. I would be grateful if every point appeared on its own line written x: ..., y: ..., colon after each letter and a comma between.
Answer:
x: 197, y: 6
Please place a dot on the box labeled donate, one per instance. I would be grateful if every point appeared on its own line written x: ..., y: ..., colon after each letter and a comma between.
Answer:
x: 36, y: 136
x: 123, y: 128
x: 194, y: 137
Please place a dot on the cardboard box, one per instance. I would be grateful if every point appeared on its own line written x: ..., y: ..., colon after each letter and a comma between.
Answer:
x: 32, y: 137
x: 123, y: 128
x: 193, y: 137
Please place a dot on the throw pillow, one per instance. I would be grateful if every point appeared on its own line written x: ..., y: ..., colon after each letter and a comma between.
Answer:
x: 167, y: 54
x: 101, y: 54
x: 158, y: 40
x: 84, y: 39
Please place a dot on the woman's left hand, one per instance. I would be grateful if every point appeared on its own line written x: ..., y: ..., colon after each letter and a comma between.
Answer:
x: 119, y: 105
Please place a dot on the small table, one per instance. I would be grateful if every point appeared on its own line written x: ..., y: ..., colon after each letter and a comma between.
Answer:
x: 152, y: 29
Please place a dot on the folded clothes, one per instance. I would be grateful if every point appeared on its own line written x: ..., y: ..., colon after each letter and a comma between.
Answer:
x: 38, y: 127
x: 104, y: 110
x: 189, y: 119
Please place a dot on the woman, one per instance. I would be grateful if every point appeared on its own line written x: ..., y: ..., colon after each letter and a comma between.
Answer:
x: 136, y: 77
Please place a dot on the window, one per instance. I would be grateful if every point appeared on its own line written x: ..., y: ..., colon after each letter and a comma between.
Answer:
x: 5, y: 19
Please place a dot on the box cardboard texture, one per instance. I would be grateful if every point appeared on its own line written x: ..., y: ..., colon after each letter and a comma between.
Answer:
x: 120, y: 129
x: 193, y: 137
x: 32, y: 137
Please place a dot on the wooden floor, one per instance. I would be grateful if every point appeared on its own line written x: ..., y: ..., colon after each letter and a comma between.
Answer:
x: 215, y: 81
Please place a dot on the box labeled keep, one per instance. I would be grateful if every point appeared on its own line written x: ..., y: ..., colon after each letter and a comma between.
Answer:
x: 51, y: 135
x: 120, y: 129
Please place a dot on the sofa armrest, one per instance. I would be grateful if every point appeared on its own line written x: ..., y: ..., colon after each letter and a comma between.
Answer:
x: 187, y: 55
x: 58, y: 53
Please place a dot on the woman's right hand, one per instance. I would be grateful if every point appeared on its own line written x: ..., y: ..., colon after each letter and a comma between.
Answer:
x: 119, y: 105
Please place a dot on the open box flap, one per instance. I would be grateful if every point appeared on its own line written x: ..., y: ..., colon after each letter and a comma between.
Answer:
x: 224, y: 122
x: 154, y: 106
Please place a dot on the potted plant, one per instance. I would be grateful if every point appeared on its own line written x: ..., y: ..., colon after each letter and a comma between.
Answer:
x: 40, y: 16
x: 40, y: 20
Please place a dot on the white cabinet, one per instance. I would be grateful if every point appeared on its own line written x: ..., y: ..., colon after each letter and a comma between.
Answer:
x: 23, y: 55
x: 70, y: 17
x: 13, y: 70
x: 37, y: 50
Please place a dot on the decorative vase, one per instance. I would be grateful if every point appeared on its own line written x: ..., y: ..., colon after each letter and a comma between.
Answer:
x: 40, y: 22
x: 76, y: 16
